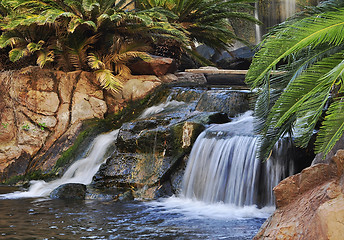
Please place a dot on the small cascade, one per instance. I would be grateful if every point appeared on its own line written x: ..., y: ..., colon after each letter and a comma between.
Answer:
x: 257, y: 27
x: 82, y: 171
x: 223, y: 166
x: 168, y: 104
x: 289, y: 8
x: 273, y: 12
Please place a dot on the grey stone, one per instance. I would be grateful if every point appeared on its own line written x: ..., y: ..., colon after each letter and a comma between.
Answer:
x: 71, y: 191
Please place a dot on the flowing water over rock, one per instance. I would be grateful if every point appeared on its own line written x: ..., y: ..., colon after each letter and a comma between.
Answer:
x: 223, y: 166
x: 82, y: 171
x: 223, y: 182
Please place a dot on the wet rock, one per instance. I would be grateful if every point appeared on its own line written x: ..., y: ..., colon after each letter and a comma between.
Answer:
x: 125, y: 197
x: 231, y: 103
x: 70, y: 191
x: 177, y: 176
x: 157, y: 65
x: 147, y: 156
x: 17, y: 166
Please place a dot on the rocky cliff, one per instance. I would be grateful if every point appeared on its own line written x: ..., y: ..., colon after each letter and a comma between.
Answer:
x: 310, y: 205
x: 42, y: 113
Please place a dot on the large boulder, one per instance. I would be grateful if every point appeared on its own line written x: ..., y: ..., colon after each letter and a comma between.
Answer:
x: 157, y: 65
x: 38, y: 107
x: 310, y: 204
x: 146, y: 155
x: 69, y: 191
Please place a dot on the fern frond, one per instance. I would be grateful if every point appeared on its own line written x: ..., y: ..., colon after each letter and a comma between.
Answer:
x: 17, y: 53
x: 94, y: 62
x: 108, y: 80
x: 44, y: 57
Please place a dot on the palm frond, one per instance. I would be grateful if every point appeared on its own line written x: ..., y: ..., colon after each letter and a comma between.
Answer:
x: 332, y: 128
x: 17, y: 53
x: 308, y: 32
x: 94, y: 62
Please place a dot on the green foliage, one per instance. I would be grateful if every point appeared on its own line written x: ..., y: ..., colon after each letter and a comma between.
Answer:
x: 69, y: 34
x: 204, y: 21
x: 42, y: 125
x: 309, y: 50
x: 26, y: 127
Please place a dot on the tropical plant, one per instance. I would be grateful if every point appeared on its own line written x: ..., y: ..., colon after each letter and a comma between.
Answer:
x: 309, y: 52
x: 204, y: 21
x: 81, y: 28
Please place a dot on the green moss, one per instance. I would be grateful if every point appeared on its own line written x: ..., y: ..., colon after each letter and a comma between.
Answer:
x: 24, y: 179
x: 93, y: 127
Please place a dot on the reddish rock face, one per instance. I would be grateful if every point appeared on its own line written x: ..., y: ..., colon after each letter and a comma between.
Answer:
x: 157, y: 66
x: 38, y: 107
x: 41, y: 113
x: 310, y: 205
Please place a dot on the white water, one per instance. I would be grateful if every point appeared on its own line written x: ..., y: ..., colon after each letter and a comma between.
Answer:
x: 257, y: 27
x: 288, y: 9
x: 223, y: 167
x: 160, y: 108
x: 82, y: 171
x: 192, y: 209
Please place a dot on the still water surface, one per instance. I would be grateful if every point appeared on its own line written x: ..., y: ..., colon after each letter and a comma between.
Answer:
x: 33, y: 218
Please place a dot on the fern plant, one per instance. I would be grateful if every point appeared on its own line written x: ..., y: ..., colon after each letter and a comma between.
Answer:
x: 309, y: 86
x: 111, y: 68
x: 204, y: 21
x: 82, y: 28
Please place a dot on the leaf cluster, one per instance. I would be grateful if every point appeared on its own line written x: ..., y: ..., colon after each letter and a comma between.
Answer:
x: 70, y: 34
x: 308, y: 52
x: 204, y: 21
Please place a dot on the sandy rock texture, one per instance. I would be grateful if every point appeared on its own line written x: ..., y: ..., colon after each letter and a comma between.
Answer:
x: 310, y: 205
x: 41, y: 113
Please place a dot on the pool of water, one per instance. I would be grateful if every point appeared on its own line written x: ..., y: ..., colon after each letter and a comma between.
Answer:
x: 174, y: 218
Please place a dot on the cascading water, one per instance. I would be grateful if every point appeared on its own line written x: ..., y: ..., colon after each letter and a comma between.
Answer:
x: 271, y: 13
x: 223, y: 166
x: 82, y: 171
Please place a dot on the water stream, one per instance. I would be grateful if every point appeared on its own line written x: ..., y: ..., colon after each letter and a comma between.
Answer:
x: 82, y: 171
x: 227, y: 193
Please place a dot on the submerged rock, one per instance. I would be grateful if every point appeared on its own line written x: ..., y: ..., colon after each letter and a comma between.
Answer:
x: 74, y: 191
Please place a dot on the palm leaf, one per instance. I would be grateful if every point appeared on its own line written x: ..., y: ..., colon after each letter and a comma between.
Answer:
x: 332, y: 128
x: 94, y: 62
x: 44, y: 57
x: 311, y: 31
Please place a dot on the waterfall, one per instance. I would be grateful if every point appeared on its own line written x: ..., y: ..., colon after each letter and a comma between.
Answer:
x: 288, y: 9
x: 81, y: 171
x: 223, y: 166
x: 273, y: 12
x: 257, y: 27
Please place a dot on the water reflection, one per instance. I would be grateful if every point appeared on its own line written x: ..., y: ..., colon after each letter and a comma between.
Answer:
x: 95, y: 219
